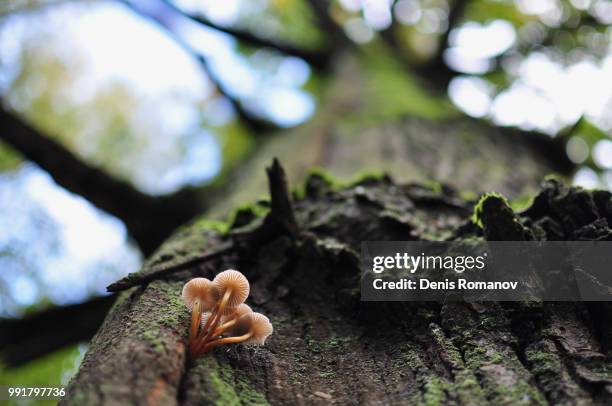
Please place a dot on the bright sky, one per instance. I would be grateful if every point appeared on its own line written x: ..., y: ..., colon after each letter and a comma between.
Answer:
x: 89, y: 251
x: 133, y: 51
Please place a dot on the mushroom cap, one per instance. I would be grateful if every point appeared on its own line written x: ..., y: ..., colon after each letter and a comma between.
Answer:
x: 202, y: 290
x: 237, y: 312
x: 237, y: 282
x: 256, y: 323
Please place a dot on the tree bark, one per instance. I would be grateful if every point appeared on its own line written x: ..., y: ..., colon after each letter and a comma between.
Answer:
x: 328, y: 347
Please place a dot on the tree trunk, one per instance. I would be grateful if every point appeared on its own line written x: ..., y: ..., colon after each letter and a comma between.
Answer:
x: 328, y: 347
x: 376, y: 117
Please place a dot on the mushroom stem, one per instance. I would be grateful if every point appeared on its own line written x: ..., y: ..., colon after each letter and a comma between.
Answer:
x: 217, y: 315
x: 227, y: 340
x: 211, y: 324
x: 209, y: 321
x: 221, y: 329
x: 196, y: 317
x: 200, y: 340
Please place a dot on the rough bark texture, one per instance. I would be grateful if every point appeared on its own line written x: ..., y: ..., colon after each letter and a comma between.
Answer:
x: 328, y: 347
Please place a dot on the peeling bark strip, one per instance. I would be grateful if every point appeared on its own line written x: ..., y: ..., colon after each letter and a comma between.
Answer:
x: 140, y: 278
x: 281, y: 210
x: 328, y: 347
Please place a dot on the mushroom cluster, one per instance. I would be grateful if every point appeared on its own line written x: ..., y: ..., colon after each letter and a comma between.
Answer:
x: 219, y: 315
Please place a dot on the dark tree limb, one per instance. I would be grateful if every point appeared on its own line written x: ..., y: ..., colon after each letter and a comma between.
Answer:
x: 22, y: 340
x: 435, y: 70
x: 455, y: 14
x: 148, y: 219
x: 318, y: 59
x: 326, y: 23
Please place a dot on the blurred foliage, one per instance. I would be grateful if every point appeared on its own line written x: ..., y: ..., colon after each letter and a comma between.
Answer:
x: 586, y: 135
x: 392, y: 92
x: 289, y: 20
x: 558, y: 28
x: 9, y: 158
x: 296, y: 22
x: 484, y: 11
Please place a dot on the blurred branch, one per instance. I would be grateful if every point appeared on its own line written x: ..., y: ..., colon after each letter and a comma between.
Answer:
x: 23, y: 340
x: 455, y: 14
x: 317, y: 59
x: 436, y: 67
x: 326, y: 23
x: 435, y: 70
x: 255, y: 124
x: 149, y: 219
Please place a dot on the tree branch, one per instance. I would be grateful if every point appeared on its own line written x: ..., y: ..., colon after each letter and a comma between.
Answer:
x: 148, y: 219
x: 326, y: 23
x: 435, y: 70
x: 255, y: 124
x: 22, y: 340
x: 141, y: 278
x: 318, y: 59
x: 436, y: 65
